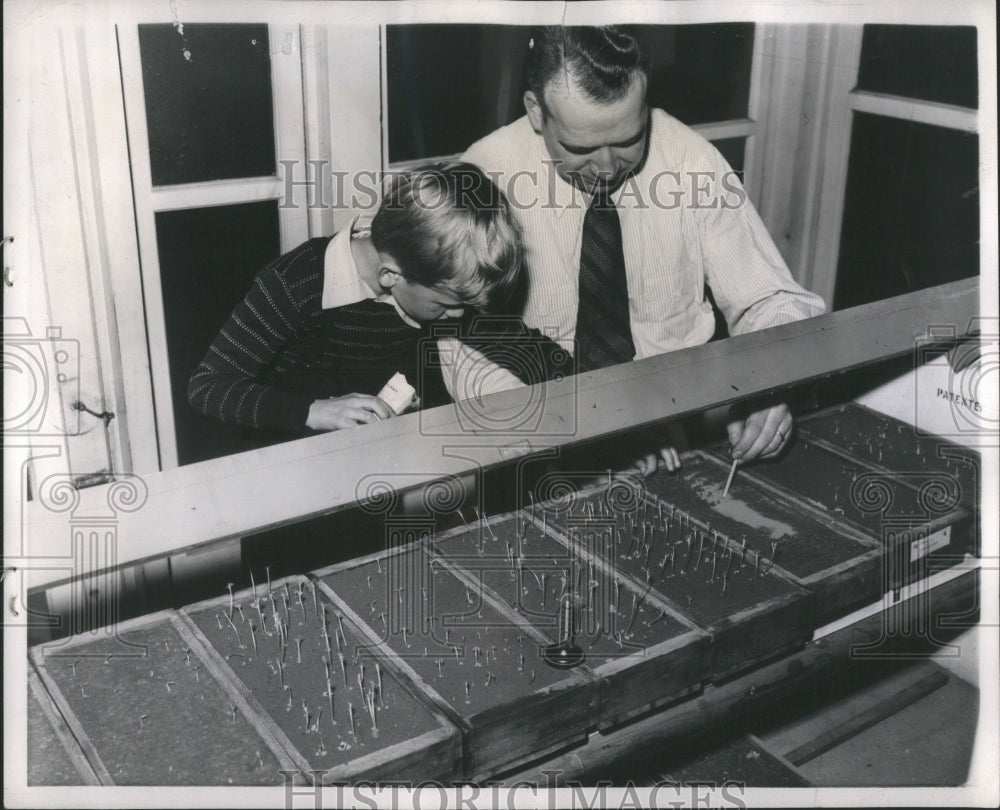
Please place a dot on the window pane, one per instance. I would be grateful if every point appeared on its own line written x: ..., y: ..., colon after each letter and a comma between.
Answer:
x: 449, y: 85
x: 208, y: 101
x: 700, y: 73
x: 208, y: 259
x: 911, y: 211
x: 734, y: 151
x: 929, y: 62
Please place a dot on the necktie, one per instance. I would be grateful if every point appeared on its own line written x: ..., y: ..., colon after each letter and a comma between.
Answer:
x: 603, y: 334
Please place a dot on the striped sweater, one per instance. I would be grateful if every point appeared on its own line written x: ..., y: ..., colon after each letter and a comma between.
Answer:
x: 280, y: 350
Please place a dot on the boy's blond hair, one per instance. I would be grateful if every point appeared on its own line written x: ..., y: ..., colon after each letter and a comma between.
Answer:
x: 449, y: 227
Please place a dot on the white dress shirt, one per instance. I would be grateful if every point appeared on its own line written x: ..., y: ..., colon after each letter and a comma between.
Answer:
x: 685, y: 220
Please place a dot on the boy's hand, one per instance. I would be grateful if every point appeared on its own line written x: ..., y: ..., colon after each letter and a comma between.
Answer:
x: 338, y: 413
x: 671, y: 440
x: 763, y: 434
x: 666, y: 457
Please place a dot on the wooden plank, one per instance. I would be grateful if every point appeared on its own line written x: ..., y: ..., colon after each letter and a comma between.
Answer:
x: 61, y: 732
x: 740, y: 761
x: 235, y: 495
x: 868, y: 718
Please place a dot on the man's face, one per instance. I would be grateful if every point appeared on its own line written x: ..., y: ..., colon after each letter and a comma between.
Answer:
x: 593, y: 142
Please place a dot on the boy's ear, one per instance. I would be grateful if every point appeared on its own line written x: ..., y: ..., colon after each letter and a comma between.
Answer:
x: 389, y: 275
x: 534, y: 110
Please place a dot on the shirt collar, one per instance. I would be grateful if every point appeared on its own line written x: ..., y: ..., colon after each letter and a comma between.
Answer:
x: 342, y: 283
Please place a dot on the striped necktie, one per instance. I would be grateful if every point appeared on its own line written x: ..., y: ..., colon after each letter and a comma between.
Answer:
x: 603, y: 334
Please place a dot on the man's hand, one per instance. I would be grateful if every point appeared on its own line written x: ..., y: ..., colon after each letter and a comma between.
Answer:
x: 764, y: 434
x: 338, y: 413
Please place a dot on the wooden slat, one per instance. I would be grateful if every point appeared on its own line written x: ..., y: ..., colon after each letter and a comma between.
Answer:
x: 868, y: 718
x: 236, y: 495
x: 60, y: 729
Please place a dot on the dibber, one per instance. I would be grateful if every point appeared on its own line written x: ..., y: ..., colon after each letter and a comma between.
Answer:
x: 729, y: 480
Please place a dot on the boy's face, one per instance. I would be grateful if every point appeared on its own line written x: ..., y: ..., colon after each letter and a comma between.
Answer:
x: 425, y: 303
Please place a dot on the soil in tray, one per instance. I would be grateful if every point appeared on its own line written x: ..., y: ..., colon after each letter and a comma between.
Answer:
x: 788, y: 536
x: 846, y: 489
x: 705, y: 576
x: 891, y: 444
x: 48, y: 762
x: 312, y: 684
x: 459, y: 645
x: 160, y: 719
x: 610, y: 620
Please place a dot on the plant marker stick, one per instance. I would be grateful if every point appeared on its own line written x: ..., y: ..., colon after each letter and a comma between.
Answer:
x: 729, y: 480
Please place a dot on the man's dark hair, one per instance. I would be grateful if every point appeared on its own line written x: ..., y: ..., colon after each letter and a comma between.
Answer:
x: 601, y: 61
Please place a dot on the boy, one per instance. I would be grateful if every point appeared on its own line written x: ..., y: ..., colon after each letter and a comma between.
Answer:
x: 326, y: 325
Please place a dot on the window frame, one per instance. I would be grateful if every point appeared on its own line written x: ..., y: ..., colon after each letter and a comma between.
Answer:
x: 293, y: 224
x: 843, y: 100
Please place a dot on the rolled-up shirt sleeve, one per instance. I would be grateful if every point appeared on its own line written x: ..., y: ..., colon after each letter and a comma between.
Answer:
x: 749, y: 279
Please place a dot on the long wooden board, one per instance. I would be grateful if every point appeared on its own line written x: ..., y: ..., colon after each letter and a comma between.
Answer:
x: 231, y: 496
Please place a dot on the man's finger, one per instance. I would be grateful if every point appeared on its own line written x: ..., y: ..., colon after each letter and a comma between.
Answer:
x: 735, y: 431
x: 775, y: 424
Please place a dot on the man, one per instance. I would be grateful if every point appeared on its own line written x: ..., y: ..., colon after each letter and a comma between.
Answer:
x: 590, y: 148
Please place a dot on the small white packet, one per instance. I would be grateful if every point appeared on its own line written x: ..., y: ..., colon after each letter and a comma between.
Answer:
x: 397, y: 393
